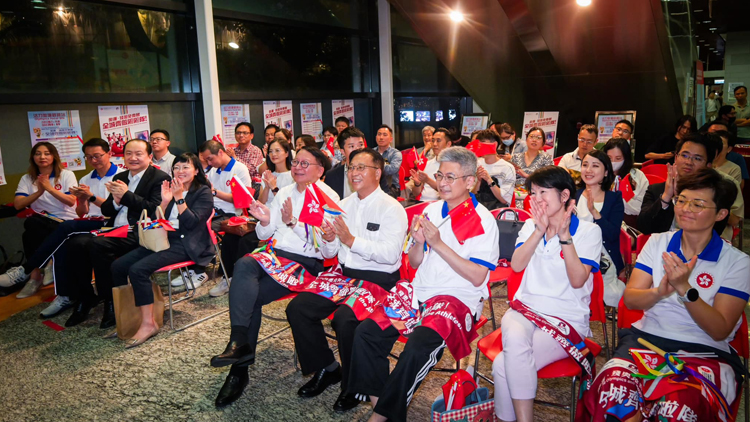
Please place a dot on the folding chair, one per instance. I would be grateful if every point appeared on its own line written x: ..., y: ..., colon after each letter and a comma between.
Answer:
x: 654, y: 179
x: 492, y: 345
x: 646, y: 163
x: 656, y: 169
x: 557, y: 160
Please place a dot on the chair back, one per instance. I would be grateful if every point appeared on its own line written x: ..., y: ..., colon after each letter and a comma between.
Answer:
x: 403, y: 173
x: 640, y: 242
x: 656, y: 169
x: 646, y: 163
x: 597, y: 299
x: 654, y: 179
x: 526, y: 203
x: 214, y: 239
x: 523, y: 215
x: 626, y: 247
x: 513, y: 283
x: 740, y: 341
x: 626, y: 316
x: 556, y: 160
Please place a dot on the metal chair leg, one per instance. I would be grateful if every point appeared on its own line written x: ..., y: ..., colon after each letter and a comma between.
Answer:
x: 171, y: 315
x: 573, y: 400
x: 606, y: 338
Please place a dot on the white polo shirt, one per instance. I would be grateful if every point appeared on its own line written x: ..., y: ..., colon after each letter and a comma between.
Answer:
x: 720, y: 269
x: 504, y: 174
x: 571, y: 161
x: 220, y: 180
x: 545, y: 287
x: 295, y: 240
x: 97, y: 188
x: 428, y: 193
x: 378, y: 224
x: 47, y: 202
x: 436, y: 277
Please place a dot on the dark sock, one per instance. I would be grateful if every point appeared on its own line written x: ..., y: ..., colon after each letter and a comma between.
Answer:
x: 332, y: 367
x: 238, y: 334
x: 238, y: 371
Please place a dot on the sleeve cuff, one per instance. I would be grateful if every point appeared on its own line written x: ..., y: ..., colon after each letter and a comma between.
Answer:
x: 483, y: 263
x: 644, y: 268
x: 21, y: 194
x: 518, y: 245
x: 733, y: 292
x: 594, y: 264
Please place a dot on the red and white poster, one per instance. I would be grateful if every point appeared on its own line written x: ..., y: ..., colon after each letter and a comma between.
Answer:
x: 231, y: 114
x: 312, y: 120
x: 279, y: 113
x: 119, y: 124
x: 343, y: 108
x: 546, y: 120
x: 62, y: 129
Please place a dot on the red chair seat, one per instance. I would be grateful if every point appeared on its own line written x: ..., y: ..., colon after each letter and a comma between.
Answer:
x: 500, y: 274
x: 175, y: 266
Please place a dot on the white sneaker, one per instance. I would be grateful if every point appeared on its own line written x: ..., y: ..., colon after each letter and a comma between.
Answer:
x: 13, y: 276
x: 48, y: 274
x: 58, y: 305
x: 220, y: 289
x: 198, y: 279
x: 32, y: 286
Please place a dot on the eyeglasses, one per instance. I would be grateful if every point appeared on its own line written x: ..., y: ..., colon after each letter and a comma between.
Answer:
x: 158, y: 139
x: 585, y: 141
x: 694, y: 205
x: 537, y: 137
x: 186, y: 167
x: 694, y: 158
x: 361, y: 168
x: 448, y: 177
x: 244, y: 133
x: 621, y: 130
x: 303, y: 164
x: 96, y: 157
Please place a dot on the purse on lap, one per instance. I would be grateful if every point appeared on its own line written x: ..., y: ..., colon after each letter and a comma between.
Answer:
x: 128, y: 315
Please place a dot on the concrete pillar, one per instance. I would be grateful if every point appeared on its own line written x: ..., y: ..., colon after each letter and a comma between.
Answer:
x: 204, y: 19
x: 386, y: 63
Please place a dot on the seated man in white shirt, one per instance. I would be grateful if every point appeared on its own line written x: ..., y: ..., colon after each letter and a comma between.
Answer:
x: 371, y: 234
x: 252, y: 287
x: 586, y: 140
x: 450, y: 286
x: 422, y: 182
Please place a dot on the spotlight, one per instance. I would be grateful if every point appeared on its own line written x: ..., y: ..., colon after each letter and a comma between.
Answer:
x: 234, y: 45
x: 583, y: 3
x: 456, y: 16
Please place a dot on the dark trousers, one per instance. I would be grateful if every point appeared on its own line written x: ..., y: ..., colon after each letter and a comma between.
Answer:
x: 56, y: 245
x: 234, y: 247
x: 35, y: 229
x: 370, y: 366
x: 140, y: 263
x: 305, y: 313
x: 252, y: 288
x: 103, y: 251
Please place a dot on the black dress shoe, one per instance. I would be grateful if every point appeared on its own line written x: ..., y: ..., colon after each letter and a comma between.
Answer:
x: 108, y: 319
x: 345, y: 402
x: 232, y: 389
x: 319, y: 382
x: 80, y: 313
x: 234, y: 354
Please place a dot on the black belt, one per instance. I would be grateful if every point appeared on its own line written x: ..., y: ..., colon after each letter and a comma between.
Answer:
x: 381, y: 278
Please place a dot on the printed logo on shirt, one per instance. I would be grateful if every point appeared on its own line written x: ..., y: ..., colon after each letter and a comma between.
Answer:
x: 228, y: 182
x: 58, y: 187
x: 705, y: 280
x: 468, y: 322
x: 561, y: 255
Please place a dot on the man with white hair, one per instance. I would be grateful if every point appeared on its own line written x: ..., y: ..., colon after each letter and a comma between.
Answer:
x: 426, y: 150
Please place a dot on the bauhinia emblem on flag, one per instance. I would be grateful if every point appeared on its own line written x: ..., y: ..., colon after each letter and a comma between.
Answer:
x: 242, y: 196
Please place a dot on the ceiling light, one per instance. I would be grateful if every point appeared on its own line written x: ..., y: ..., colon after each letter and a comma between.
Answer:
x: 234, y: 45
x: 708, y: 21
x: 456, y: 16
x: 697, y: 10
x: 712, y: 29
x: 583, y: 3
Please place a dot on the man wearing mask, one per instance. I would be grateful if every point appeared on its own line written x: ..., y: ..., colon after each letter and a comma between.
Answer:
x: 350, y: 139
x: 389, y: 181
x: 727, y: 117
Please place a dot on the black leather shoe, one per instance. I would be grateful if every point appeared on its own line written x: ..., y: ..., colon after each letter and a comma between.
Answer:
x: 80, y: 313
x: 232, y: 389
x: 108, y: 319
x: 319, y: 382
x: 345, y: 402
x: 234, y: 354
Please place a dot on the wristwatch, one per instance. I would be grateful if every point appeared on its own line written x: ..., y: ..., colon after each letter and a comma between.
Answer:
x: 275, y: 190
x: 292, y: 223
x: 567, y: 242
x: 180, y: 201
x: 213, y: 192
x: 92, y: 199
x: 494, y: 183
x: 691, y: 295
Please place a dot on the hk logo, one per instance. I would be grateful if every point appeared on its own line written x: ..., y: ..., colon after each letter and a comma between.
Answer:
x: 420, y: 161
x: 705, y: 280
x: 58, y: 187
x: 228, y: 182
x: 314, y: 207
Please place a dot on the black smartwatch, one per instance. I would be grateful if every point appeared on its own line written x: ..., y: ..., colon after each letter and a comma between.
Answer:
x: 275, y: 190
x: 213, y: 192
x: 92, y: 199
x: 691, y: 295
x: 494, y: 183
x: 180, y: 201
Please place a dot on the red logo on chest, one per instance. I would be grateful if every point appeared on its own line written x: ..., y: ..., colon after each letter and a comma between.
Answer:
x: 561, y: 255
x: 58, y: 187
x: 704, y: 280
x: 228, y: 182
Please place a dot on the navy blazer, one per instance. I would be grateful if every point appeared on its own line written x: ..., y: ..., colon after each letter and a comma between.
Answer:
x: 193, y: 230
x: 146, y: 196
x: 335, y: 179
x: 612, y: 213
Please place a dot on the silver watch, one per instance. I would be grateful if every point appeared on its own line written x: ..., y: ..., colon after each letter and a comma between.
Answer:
x: 292, y: 222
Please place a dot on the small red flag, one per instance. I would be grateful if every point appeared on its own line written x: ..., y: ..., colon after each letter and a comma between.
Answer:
x: 328, y: 203
x: 329, y: 145
x: 312, y: 211
x: 414, y: 160
x: 626, y: 188
x: 465, y: 221
x: 121, y: 231
x: 480, y: 149
x: 242, y: 196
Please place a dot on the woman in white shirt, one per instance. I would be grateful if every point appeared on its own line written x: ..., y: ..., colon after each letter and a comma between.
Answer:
x: 46, y: 190
x: 278, y: 175
x: 618, y: 151
x: 188, y: 205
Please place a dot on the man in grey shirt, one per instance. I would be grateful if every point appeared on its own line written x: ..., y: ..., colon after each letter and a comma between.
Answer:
x: 390, y: 181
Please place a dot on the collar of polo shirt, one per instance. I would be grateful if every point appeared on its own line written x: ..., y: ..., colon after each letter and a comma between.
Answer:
x: 445, y: 209
x: 710, y: 253
x: 228, y: 167
x: 111, y: 172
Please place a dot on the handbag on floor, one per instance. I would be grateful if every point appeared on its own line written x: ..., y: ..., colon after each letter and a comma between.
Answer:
x: 152, y: 235
x: 508, y: 229
x: 128, y: 315
x: 463, y: 401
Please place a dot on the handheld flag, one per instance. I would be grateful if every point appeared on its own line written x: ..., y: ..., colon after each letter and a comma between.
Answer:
x: 465, y: 222
x: 329, y: 145
x: 241, y: 194
x: 329, y: 205
x: 312, y: 211
x: 626, y: 188
x: 121, y: 231
x: 218, y: 139
x: 414, y: 160
x: 480, y: 149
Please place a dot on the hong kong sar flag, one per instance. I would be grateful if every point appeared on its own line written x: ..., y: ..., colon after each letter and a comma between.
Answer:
x: 312, y: 210
x: 415, y: 160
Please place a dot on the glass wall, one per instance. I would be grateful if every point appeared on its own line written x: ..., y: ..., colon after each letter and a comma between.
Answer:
x: 341, y: 13
x: 679, y: 20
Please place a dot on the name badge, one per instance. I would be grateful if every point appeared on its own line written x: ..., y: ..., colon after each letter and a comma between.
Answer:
x: 373, y: 227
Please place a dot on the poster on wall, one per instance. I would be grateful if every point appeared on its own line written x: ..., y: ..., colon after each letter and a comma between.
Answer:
x: 119, y: 124
x: 473, y: 122
x: 547, y: 121
x: 279, y: 113
x: 231, y: 114
x: 3, y: 181
x: 343, y: 108
x: 312, y: 120
x: 730, y: 91
x: 63, y: 130
x: 606, y: 121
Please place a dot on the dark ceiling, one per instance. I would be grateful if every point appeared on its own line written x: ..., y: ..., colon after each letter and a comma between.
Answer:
x: 712, y: 19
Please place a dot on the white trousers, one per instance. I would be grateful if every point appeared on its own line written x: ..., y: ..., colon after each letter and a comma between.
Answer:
x: 526, y: 349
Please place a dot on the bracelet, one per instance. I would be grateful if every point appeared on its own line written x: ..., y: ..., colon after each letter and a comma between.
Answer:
x: 663, y: 201
x: 416, y: 185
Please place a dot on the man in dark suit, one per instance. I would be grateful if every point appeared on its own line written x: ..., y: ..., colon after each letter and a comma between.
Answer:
x: 657, y: 212
x: 349, y: 140
x: 130, y: 193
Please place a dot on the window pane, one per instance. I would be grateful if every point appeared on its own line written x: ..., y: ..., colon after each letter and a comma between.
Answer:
x: 253, y: 57
x: 344, y: 13
x: 83, y: 47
